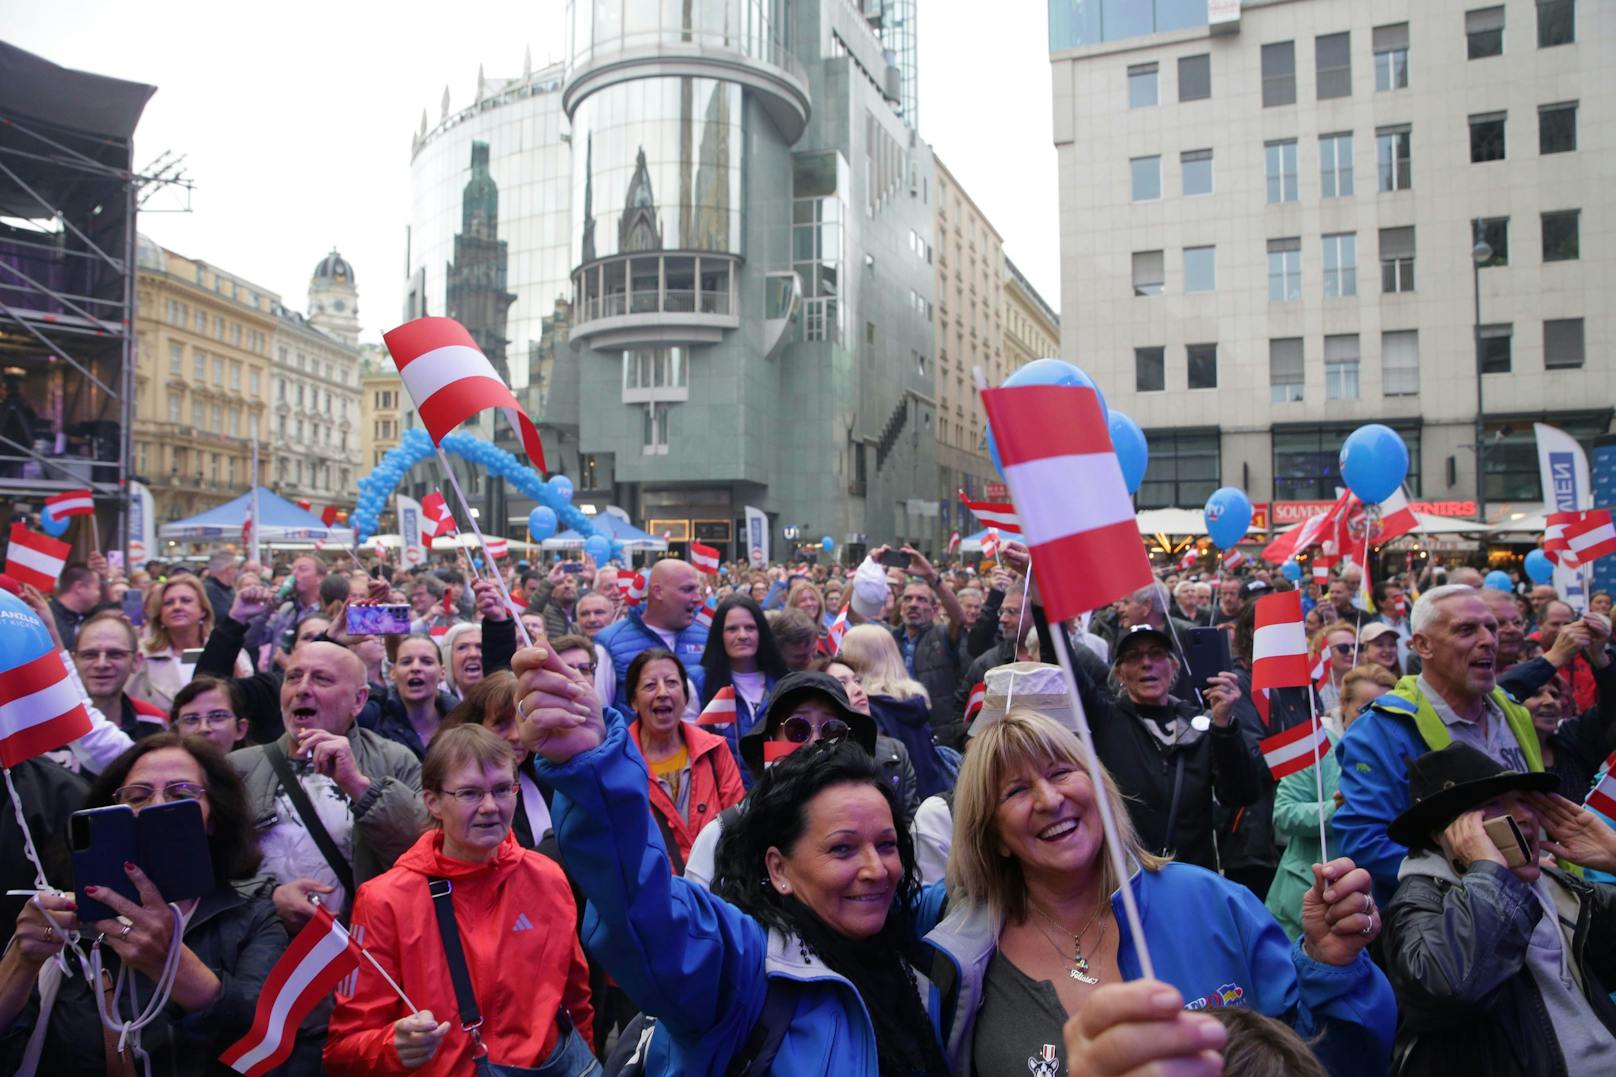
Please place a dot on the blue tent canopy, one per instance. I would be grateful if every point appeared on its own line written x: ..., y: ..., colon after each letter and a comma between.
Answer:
x: 563, y: 540
x: 630, y: 536
x: 280, y: 521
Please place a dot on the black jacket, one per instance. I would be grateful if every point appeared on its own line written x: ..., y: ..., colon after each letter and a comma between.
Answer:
x: 937, y: 668
x: 1456, y: 953
x: 220, y: 597
x: 261, y: 691
x: 384, y: 713
x: 1581, y: 743
x: 904, y: 720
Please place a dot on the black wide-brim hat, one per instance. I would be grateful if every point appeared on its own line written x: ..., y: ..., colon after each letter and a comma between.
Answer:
x: 1443, y: 785
x: 790, y: 690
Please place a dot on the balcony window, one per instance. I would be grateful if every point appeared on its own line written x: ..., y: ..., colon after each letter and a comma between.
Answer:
x: 1495, y: 343
x: 1341, y: 367
x: 1196, y: 166
x: 1332, y: 55
x: 1148, y: 274
x: 1394, y: 154
x: 1279, y: 164
x: 1279, y: 74
x: 1397, y: 259
x: 1487, y: 137
x: 1556, y: 23
x: 1284, y: 269
x: 1340, y: 264
x: 1335, y: 165
x: 1495, y: 232
x: 1202, y: 362
x: 645, y: 285
x: 715, y: 285
x: 1561, y: 235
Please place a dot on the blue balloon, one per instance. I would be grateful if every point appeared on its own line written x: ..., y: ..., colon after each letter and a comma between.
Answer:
x: 1055, y: 372
x: 1291, y: 570
x: 1374, y: 462
x: 827, y: 544
x: 1228, y: 515
x: 1132, y: 451
x: 541, y: 523
x: 1539, y: 569
x: 52, y: 526
x: 993, y: 452
x: 1497, y: 580
x: 562, y: 487
x: 23, y: 636
x: 598, y: 547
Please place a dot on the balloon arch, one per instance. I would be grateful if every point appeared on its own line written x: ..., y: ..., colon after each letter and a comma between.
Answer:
x: 554, y: 497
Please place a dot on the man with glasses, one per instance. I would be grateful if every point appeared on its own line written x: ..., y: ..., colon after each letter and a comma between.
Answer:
x: 106, y: 654
x: 1013, y: 622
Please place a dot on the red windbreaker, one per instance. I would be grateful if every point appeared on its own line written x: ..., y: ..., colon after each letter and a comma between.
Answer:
x: 516, y: 917
x: 715, y: 784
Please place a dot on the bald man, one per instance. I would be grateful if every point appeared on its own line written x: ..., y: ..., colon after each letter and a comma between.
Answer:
x: 666, y: 619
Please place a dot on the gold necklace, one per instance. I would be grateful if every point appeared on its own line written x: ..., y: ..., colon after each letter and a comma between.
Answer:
x: 1080, y: 964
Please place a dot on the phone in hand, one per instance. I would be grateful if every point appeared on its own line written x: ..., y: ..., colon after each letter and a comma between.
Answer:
x: 379, y: 620
x: 895, y: 559
x: 133, y: 603
x: 1505, y: 833
x: 167, y: 841
x: 572, y: 568
x: 1206, y: 654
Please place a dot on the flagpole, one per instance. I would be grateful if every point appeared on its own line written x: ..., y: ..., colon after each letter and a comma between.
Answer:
x: 482, y: 544
x: 1370, y: 514
x: 95, y: 529
x: 1318, y: 772
x: 257, y: 520
x: 348, y: 938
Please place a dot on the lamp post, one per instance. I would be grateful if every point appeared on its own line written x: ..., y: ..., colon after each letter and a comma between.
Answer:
x: 1480, y: 252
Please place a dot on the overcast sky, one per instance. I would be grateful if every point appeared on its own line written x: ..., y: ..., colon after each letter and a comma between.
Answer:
x: 295, y: 118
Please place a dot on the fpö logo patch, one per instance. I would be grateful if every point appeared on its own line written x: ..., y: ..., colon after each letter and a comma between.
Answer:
x: 1227, y: 995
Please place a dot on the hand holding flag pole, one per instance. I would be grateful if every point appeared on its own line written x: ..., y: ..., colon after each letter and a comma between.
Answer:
x: 482, y: 544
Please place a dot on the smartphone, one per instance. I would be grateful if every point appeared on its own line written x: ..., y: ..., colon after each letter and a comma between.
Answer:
x: 191, y: 656
x: 134, y: 608
x: 101, y: 840
x: 167, y: 841
x: 895, y: 559
x: 379, y: 620
x: 1206, y: 654
x: 572, y: 568
x: 1506, y: 834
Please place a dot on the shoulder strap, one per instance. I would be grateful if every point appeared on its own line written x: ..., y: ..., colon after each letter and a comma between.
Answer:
x: 442, y: 891
x: 757, y: 1053
x: 311, y: 819
x: 668, y: 839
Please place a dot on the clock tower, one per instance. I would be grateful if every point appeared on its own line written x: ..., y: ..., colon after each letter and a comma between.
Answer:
x: 334, y: 299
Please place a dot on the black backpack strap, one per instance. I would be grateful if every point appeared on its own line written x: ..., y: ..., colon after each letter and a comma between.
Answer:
x: 668, y: 839
x: 311, y: 818
x: 757, y: 1053
x: 471, y: 1017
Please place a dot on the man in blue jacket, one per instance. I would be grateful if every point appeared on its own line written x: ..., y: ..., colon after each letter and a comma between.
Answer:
x: 672, y: 600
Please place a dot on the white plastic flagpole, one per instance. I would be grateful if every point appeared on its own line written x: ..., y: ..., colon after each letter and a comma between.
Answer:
x: 1318, y: 774
x: 482, y: 544
x: 1371, y: 514
x: 348, y: 938
x: 257, y: 517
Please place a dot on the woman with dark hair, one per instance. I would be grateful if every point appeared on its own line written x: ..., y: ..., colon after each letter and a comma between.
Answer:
x: 227, y: 947
x: 741, y: 655
x: 212, y: 708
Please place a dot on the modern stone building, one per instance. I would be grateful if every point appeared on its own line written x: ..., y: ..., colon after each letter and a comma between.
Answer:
x: 1266, y: 233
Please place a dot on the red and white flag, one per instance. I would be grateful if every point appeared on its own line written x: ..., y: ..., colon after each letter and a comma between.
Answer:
x: 776, y: 750
x: 704, y: 557
x: 1311, y: 532
x: 1321, y: 670
x: 247, y: 528
x: 1296, y: 749
x: 1279, y: 644
x: 40, y: 709
x: 720, y: 710
x: 832, y: 643
x: 1576, y: 538
x: 72, y: 503
x: 1321, y: 571
x: 1000, y: 514
x: 1190, y: 558
x: 1603, y: 797
x: 705, y: 615
x: 1396, y: 517
x: 990, y: 545
x: 450, y: 380
x: 435, y: 512
x: 320, y: 956
x: 1075, y: 511
x: 634, y: 588
x: 498, y: 547
x: 973, y: 703
x: 36, y: 559
x: 328, y: 515
x: 1234, y: 560
x: 953, y: 543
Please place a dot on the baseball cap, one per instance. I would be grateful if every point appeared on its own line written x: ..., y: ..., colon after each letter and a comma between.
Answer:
x: 1128, y: 639
x: 1373, y: 631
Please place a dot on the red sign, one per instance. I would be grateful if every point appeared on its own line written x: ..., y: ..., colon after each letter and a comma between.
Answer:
x: 1294, y: 512
x: 995, y: 491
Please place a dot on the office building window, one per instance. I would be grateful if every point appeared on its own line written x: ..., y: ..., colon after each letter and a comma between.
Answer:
x: 1400, y: 363
x: 1487, y: 137
x: 1394, y: 155
x: 176, y: 357
x: 1195, y: 77
x: 1340, y: 264
x: 1287, y: 373
x: 1556, y: 23
x: 1341, y: 367
x: 1397, y: 259
x: 1484, y: 32
x: 1557, y: 127
x: 1332, y: 58
x: 1307, y: 459
x: 1495, y: 232
x: 1184, y: 468
x: 654, y: 429
x: 1284, y: 269
x: 1279, y: 74
x: 1203, y: 365
x: 1146, y: 176
x: 1391, y: 57
x: 1495, y: 348
x: 253, y: 383
x: 1148, y: 275
x: 1560, y: 235
x: 1279, y: 166
x: 1335, y: 165
x: 1200, y: 269
x: 1562, y: 343
x: 1142, y: 86
x: 1149, y: 370
x: 1196, y: 166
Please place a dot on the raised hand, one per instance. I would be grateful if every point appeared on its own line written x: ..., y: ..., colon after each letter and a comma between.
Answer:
x: 556, y: 706
x: 1339, y: 917
x: 1141, y: 1027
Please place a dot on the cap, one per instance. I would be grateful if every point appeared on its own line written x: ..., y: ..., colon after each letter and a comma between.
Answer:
x: 1373, y: 631
x: 1257, y: 587
x: 1126, y: 639
x: 1036, y: 685
x: 788, y: 693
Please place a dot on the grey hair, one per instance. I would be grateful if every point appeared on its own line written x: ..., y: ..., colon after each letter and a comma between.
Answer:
x: 1152, y: 595
x: 221, y: 560
x: 1187, y: 585
x: 1425, y: 608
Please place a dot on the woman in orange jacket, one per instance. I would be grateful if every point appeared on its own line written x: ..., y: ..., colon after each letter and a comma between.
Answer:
x: 514, y: 917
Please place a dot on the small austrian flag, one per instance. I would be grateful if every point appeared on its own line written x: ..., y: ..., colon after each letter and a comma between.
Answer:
x: 1296, y: 749
x: 704, y: 616
x: 1321, y: 670
x: 498, y: 547
x: 1234, y: 560
x: 1000, y: 514
x: 721, y: 710
x: 1075, y: 511
x: 973, y: 704
x: 1396, y: 517
x: 990, y: 545
x: 834, y: 634
x: 450, y: 380
x: 776, y: 750
x: 72, y: 503
x: 1603, y: 797
x: 634, y: 591
x: 35, y: 559
x: 435, y: 511
x: 40, y: 709
x: 705, y: 558
x: 1321, y: 571
x: 1590, y: 536
x: 1279, y: 644
x: 1188, y: 561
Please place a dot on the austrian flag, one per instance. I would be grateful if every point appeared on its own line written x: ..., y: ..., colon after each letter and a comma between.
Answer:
x: 36, y: 559
x: 40, y: 709
x: 990, y: 545
x: 721, y: 711
x: 1279, y: 644
x: 435, y: 511
x: 1603, y: 797
x: 1000, y: 514
x: 72, y: 503
x: 1294, y: 750
x: 704, y: 558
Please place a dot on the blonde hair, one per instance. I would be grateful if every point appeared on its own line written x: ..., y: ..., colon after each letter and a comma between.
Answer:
x: 1371, y: 673
x: 801, y: 588
x: 978, y: 869
x: 156, y: 633
x: 1323, y: 634
x: 872, y: 653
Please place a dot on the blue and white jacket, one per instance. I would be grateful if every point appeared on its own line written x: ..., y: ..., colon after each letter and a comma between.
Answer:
x: 626, y: 638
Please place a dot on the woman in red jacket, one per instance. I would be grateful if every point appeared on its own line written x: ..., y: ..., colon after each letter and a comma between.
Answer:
x: 514, y: 915
x: 693, y: 774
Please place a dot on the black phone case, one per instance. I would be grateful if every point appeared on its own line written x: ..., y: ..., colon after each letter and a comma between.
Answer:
x: 896, y: 559
x: 1206, y: 652
x: 167, y: 841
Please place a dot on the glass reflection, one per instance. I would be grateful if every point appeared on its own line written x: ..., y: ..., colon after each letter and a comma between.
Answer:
x: 754, y: 28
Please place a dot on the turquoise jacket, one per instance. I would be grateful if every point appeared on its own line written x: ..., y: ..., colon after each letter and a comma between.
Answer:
x: 1296, y: 815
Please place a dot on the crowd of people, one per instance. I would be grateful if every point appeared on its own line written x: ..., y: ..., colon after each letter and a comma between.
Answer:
x: 824, y: 819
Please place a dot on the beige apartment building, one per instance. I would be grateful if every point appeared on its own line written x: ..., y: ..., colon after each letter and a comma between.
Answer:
x: 380, y: 410
x: 1268, y: 218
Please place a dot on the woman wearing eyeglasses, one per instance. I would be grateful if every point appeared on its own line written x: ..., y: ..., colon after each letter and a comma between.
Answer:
x: 228, y: 945
x: 212, y: 708
x: 1340, y: 642
x: 513, y: 915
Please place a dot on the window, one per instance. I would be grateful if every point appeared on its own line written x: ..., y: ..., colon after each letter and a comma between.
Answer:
x: 654, y: 430
x: 1495, y: 233
x: 1203, y: 365
x: 1560, y: 235
x: 1400, y: 363
x: 1196, y: 166
x: 235, y: 374
x: 1147, y: 273
x: 1391, y: 57
x: 1286, y: 372
x: 197, y: 414
x: 1279, y: 163
x: 1484, y: 32
x: 1557, y: 128
x: 1142, y: 86
x: 176, y: 357
x: 1279, y: 74
x: 1397, y: 259
x: 174, y: 404
x: 1562, y: 343
x: 1487, y: 137
x: 1341, y: 367
x: 1146, y: 172
x: 1340, y: 264
x: 1307, y: 459
x: 1495, y: 348
x: 1149, y: 370
x: 218, y: 370
x: 1200, y: 269
x: 1332, y: 59
x: 1195, y: 77
x: 1284, y: 269
x: 1335, y: 165
x: 1184, y: 468
x: 199, y: 365
x: 1394, y: 154
x: 1556, y: 23
x: 253, y: 383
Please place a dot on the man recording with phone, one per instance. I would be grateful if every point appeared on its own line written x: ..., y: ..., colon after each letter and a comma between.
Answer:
x: 931, y: 649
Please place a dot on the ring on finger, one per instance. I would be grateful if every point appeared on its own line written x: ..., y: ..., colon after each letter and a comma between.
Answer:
x: 50, y: 933
x: 519, y: 712
x: 123, y: 935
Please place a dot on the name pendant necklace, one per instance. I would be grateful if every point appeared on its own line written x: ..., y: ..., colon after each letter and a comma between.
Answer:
x: 1080, y: 964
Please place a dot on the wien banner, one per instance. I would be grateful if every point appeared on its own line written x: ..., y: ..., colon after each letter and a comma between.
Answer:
x: 1563, y: 468
x: 409, y: 531
x: 757, y: 537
